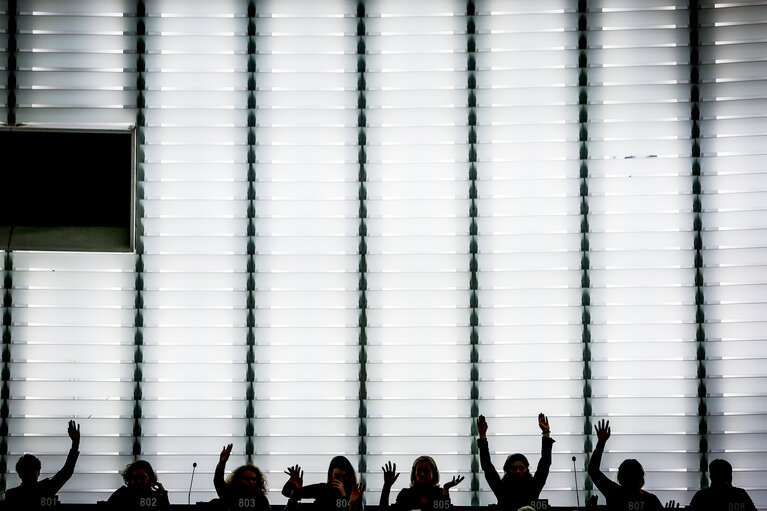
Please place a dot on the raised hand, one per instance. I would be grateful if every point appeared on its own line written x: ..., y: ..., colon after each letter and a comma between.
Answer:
x: 296, y: 477
x: 225, y: 452
x: 603, y: 430
x: 73, y: 430
x: 543, y: 423
x: 453, y: 482
x: 390, y: 474
x: 482, y: 426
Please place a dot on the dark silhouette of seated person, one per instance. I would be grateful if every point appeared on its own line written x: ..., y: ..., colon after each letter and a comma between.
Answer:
x: 424, y: 492
x: 721, y: 495
x: 245, y: 489
x: 627, y: 494
x: 341, y: 491
x: 142, y: 491
x: 517, y: 487
x: 34, y: 494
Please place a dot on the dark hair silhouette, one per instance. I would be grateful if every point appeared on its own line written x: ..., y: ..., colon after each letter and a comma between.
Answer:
x: 510, y: 461
x: 233, y: 479
x: 720, y: 472
x: 28, y: 463
x: 138, y: 465
x: 631, y: 473
x: 342, y: 463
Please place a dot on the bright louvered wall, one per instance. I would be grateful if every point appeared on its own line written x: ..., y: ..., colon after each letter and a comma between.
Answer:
x: 362, y: 224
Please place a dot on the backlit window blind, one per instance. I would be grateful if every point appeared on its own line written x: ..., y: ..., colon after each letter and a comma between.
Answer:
x: 529, y: 234
x: 70, y: 318
x: 361, y: 224
x: 194, y: 239
x: 71, y: 346
x: 74, y: 63
x: 306, y: 224
x: 643, y: 293
x: 733, y: 106
x: 419, y: 399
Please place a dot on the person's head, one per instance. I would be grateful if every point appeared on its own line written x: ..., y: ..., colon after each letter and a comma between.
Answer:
x: 247, y: 479
x: 720, y: 472
x: 28, y: 467
x: 631, y: 474
x: 424, y: 472
x: 341, y: 469
x: 139, y: 475
x: 516, y: 467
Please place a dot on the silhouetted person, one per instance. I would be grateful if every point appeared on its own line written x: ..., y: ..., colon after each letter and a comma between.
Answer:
x: 244, y: 490
x: 424, y: 492
x: 627, y: 494
x: 34, y: 494
x: 517, y: 487
x: 721, y: 495
x: 142, y: 490
x: 341, y: 492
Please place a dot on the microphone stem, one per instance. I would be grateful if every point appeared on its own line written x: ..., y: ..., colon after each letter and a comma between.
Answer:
x: 191, y: 481
x: 575, y: 476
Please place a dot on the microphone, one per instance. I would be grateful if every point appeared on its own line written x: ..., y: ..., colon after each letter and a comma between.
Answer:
x: 575, y: 476
x: 191, y: 480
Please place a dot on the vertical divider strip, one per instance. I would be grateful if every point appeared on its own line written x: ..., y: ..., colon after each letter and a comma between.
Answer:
x: 362, y: 268
x: 471, y: 64
x: 583, y: 136
x: 700, y: 318
x: 250, y: 392
x: 12, y: 47
x: 138, y: 338
x: 5, y: 391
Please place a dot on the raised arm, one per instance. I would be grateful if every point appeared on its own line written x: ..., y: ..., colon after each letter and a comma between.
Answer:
x: 390, y: 476
x: 544, y: 463
x: 63, y: 475
x: 604, y: 484
x: 218, y: 476
x: 491, y: 475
